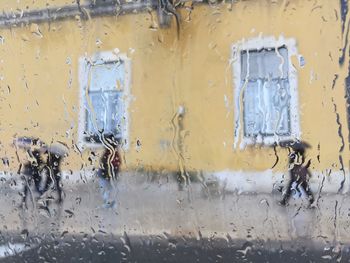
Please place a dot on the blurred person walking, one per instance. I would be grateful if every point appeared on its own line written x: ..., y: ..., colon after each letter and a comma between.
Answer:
x: 32, y: 168
x: 299, y: 172
x: 53, y: 174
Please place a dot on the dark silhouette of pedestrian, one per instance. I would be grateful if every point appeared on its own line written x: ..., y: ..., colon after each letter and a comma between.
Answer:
x: 299, y: 174
x: 54, y: 175
x: 31, y: 171
x: 56, y: 153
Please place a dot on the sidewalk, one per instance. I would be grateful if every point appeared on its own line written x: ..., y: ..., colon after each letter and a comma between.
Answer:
x: 159, y: 208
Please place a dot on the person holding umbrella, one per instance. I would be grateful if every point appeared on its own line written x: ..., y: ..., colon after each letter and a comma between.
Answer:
x: 56, y: 152
x: 33, y: 167
x: 299, y: 173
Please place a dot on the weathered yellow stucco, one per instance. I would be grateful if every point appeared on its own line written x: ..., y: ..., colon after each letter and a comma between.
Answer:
x: 40, y: 83
x: 19, y: 5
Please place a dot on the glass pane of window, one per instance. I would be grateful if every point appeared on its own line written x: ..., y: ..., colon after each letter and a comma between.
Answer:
x: 107, y: 76
x: 105, y: 114
x: 265, y: 63
x: 105, y: 107
x: 266, y: 108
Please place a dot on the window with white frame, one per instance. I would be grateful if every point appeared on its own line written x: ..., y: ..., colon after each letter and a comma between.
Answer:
x: 103, y: 97
x: 266, y: 97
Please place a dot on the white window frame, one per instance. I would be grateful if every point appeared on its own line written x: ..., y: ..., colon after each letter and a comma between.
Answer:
x: 84, y: 62
x: 259, y: 43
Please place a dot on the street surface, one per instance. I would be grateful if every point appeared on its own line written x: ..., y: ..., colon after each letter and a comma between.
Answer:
x: 155, y: 222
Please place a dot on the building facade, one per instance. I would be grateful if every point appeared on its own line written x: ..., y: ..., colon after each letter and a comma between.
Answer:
x: 213, y: 98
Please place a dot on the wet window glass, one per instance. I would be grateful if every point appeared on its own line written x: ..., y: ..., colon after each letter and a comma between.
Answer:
x: 174, y: 131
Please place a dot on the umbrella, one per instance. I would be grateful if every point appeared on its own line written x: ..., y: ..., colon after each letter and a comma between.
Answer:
x: 28, y: 143
x: 58, y: 148
x: 296, y: 145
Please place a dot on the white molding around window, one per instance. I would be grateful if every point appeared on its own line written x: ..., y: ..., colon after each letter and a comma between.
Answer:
x: 257, y: 45
x: 85, y: 65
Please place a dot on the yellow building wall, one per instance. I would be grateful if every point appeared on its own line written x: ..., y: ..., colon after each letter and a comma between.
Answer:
x: 17, y: 6
x: 39, y: 86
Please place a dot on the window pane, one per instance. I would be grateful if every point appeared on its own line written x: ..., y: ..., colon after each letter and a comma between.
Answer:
x: 266, y: 108
x: 116, y: 112
x: 106, y: 112
x: 265, y: 64
x: 108, y: 76
x: 252, y: 114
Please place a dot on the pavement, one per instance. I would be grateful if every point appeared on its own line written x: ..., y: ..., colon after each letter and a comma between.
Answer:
x: 157, y: 210
x: 162, y: 249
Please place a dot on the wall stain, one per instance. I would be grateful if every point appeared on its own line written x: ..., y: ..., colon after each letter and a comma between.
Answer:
x: 343, y: 15
x: 343, y: 50
x: 347, y: 97
x: 344, y: 8
x: 335, y: 80
x: 340, y: 133
x: 341, y: 149
x: 342, y: 169
x: 277, y: 158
